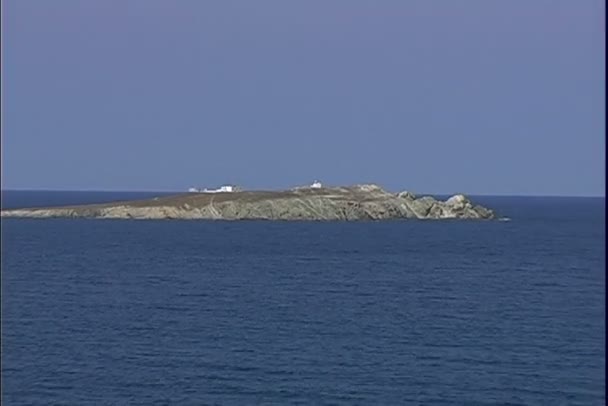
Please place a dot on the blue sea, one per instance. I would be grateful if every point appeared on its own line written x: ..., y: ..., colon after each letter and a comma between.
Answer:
x: 120, y: 312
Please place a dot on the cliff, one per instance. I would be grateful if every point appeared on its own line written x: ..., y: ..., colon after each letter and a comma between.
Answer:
x: 359, y: 202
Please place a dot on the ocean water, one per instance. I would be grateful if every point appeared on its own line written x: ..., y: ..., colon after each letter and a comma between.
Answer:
x: 111, y: 312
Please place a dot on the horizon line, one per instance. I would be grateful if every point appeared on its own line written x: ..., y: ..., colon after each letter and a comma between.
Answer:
x: 185, y: 191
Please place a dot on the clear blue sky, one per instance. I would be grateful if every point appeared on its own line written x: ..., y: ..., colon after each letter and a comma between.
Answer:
x: 480, y: 97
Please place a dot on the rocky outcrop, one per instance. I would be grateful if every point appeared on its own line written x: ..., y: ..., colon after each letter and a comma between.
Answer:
x: 359, y: 202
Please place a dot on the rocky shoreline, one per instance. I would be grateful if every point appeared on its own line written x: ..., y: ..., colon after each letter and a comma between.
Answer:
x: 351, y: 203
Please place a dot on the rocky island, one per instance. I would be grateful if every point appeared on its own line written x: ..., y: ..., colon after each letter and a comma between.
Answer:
x: 351, y: 203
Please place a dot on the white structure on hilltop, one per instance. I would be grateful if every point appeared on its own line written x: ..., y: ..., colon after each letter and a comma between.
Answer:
x: 223, y: 189
x: 316, y: 185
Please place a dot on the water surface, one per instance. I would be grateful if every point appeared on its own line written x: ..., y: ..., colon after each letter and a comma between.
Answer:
x: 402, y: 312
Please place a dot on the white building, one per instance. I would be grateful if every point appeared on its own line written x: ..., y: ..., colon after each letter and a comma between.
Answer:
x: 316, y: 185
x: 223, y: 189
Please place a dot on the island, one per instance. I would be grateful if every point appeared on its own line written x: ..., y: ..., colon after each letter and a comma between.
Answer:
x: 349, y: 203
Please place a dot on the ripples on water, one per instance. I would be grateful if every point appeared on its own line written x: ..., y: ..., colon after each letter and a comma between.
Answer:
x: 177, y: 312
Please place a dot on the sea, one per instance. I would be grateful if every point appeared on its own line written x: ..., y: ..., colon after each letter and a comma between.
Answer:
x: 136, y: 312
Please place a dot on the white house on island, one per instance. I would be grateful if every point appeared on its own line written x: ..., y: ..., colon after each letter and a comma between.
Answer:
x: 223, y: 189
x: 316, y: 185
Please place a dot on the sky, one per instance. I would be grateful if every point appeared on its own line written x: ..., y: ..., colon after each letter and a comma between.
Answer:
x: 431, y: 96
